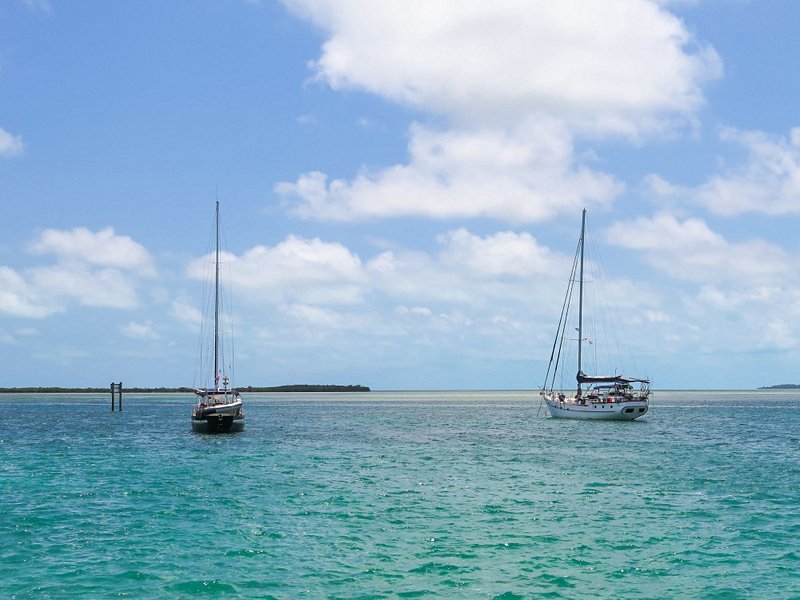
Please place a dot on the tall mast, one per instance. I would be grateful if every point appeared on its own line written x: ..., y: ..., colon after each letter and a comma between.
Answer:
x: 580, y: 299
x: 216, y: 305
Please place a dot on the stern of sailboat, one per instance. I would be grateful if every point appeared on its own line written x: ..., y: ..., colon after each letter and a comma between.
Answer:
x: 218, y: 411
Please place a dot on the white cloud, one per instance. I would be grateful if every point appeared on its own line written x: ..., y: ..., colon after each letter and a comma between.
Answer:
x: 516, y: 81
x: 768, y: 183
x: 107, y: 288
x: 296, y: 269
x: 314, y: 316
x: 10, y: 145
x: 502, y: 254
x: 690, y: 250
x: 18, y: 298
x: 318, y: 325
x: 479, y: 295
x: 618, y: 65
x: 311, y: 272
x: 742, y: 296
x: 186, y: 312
x: 522, y: 175
x: 95, y: 269
x: 91, y: 266
x: 746, y: 318
x: 657, y: 316
x: 420, y: 311
x: 140, y: 331
x: 779, y: 334
x: 662, y: 192
x: 735, y: 301
x: 104, y: 248
x: 469, y: 271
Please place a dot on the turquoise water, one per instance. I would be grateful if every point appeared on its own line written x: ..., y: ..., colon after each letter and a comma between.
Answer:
x: 400, y: 495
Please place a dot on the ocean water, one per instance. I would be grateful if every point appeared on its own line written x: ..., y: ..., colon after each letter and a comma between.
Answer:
x: 400, y: 495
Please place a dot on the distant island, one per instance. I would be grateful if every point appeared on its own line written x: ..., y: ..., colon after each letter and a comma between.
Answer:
x: 306, y: 388
x: 782, y: 386
x: 165, y: 390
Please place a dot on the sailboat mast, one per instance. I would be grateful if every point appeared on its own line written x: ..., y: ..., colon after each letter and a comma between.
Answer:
x: 216, y: 305
x: 580, y: 299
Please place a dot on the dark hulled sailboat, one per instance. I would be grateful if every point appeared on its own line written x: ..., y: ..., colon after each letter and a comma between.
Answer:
x: 219, y: 408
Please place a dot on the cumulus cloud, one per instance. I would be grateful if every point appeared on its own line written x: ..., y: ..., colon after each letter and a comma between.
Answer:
x: 107, y: 288
x: 315, y: 316
x: 302, y: 272
x: 469, y: 293
x: 415, y: 276
x: 10, y: 145
x: 746, y: 291
x: 420, y: 311
x: 690, y: 250
x: 20, y: 299
x: 104, y: 248
x: 468, y: 270
x: 769, y: 181
x: 502, y: 254
x: 187, y: 313
x: 522, y: 175
x: 614, y: 66
x: 140, y: 331
x: 296, y: 269
x: 94, y: 269
x: 765, y: 317
x: 513, y: 84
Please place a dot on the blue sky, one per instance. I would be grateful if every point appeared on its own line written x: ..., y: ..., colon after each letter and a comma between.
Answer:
x: 401, y: 187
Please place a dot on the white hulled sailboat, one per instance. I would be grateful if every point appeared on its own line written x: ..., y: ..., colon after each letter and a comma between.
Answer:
x: 605, y: 397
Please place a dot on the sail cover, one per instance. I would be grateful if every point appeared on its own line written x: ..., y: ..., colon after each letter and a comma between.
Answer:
x: 584, y: 378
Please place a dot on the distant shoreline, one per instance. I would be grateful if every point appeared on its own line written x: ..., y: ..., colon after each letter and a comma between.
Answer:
x: 336, y: 388
x: 187, y: 390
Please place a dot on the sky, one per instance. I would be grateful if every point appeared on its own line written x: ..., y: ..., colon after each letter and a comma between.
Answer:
x: 401, y: 185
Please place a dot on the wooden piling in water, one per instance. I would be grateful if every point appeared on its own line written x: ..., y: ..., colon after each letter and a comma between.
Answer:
x: 116, y: 387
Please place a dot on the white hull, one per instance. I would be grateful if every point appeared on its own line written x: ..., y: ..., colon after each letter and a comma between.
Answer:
x: 598, y: 397
x: 568, y: 408
x: 230, y: 408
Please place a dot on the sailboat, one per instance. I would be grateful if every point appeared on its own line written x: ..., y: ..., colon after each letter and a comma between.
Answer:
x: 219, y: 408
x: 603, y: 397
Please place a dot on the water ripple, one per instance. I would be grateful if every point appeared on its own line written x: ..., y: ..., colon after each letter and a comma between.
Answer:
x: 401, y: 495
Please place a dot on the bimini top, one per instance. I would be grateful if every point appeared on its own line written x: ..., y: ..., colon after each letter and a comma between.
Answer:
x: 214, y: 392
x: 583, y: 378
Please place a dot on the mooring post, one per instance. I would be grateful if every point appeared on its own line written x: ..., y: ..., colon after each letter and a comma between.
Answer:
x: 116, y: 387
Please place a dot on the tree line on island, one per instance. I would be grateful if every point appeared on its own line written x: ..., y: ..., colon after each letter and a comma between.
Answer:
x: 164, y: 390
x: 782, y: 386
